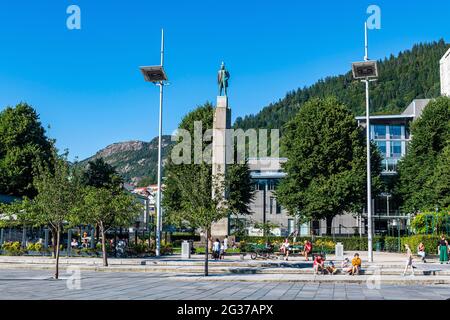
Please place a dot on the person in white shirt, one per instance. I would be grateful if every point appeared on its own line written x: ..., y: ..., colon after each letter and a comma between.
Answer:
x: 225, y: 243
x: 216, y: 249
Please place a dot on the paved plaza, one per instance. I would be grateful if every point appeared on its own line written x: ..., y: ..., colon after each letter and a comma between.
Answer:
x: 38, y: 284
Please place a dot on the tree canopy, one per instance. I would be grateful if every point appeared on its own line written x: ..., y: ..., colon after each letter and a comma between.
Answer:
x: 326, y: 166
x: 100, y: 174
x: 23, y: 146
x: 424, y: 177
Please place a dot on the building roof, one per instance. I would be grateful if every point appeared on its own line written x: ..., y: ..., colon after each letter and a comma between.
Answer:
x: 386, y: 116
x: 412, y: 111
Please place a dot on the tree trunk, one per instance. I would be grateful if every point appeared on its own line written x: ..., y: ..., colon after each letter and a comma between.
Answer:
x: 329, y: 225
x: 105, y: 258
x: 57, y: 253
x: 206, y: 253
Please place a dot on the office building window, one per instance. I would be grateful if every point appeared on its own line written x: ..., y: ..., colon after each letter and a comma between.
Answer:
x: 395, y: 132
x: 382, y: 147
x: 278, y: 208
x: 396, y: 149
x: 379, y: 131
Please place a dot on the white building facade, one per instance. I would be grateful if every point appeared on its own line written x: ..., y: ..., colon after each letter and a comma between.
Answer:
x: 445, y: 74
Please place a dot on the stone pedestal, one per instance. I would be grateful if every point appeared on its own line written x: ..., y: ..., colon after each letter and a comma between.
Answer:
x: 222, y: 121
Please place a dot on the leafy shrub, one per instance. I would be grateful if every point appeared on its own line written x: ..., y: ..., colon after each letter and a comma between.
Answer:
x: 31, y: 246
x: 38, y: 247
x: 430, y: 222
x: 200, y: 250
x: 430, y: 242
x: 166, y: 249
x: 391, y: 244
x: 325, y: 244
x: 13, y: 248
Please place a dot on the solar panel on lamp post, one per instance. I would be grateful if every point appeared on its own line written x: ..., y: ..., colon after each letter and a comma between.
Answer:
x: 367, y: 70
x: 157, y: 75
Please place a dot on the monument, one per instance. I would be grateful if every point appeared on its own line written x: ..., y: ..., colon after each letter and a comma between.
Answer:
x: 222, y: 122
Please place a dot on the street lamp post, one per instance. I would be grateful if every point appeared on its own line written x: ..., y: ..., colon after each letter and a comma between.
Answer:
x: 367, y: 71
x: 157, y: 75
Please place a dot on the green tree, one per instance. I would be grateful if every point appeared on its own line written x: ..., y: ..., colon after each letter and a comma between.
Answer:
x: 58, y: 198
x: 200, y: 209
x: 100, y: 174
x: 423, y: 172
x: 23, y: 146
x: 106, y: 208
x: 441, y: 179
x: 326, y: 166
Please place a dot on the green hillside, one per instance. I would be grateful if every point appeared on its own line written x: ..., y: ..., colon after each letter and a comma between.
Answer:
x: 134, y: 160
x: 411, y: 74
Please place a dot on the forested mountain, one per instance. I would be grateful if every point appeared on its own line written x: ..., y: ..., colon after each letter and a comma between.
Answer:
x: 411, y: 74
x: 133, y: 160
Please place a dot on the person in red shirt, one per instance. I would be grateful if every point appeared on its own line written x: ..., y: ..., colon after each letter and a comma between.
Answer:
x: 319, y: 264
x: 307, y: 249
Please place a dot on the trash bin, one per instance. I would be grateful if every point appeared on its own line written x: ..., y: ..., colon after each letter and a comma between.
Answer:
x: 339, y: 251
x: 186, y: 250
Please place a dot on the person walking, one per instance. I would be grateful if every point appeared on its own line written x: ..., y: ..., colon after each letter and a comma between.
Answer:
x: 443, y: 250
x: 409, y: 260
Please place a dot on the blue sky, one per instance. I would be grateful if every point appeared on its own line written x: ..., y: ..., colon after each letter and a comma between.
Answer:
x: 87, y: 86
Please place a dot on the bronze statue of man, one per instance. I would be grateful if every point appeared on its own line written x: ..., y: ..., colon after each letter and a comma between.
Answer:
x: 222, y: 79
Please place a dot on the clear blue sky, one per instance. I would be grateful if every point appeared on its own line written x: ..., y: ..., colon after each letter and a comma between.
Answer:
x: 87, y: 86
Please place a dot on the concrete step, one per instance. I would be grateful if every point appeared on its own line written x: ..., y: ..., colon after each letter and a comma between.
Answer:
x: 434, y: 271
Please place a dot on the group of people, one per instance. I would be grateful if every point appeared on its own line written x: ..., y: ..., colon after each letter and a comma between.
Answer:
x: 219, y: 248
x: 347, y: 267
x: 285, y: 249
x: 443, y: 252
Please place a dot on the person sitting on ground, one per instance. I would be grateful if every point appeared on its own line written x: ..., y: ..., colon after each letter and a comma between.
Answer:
x: 318, y: 264
x: 356, y: 264
x: 269, y: 246
x: 285, y: 248
x: 421, y: 251
x: 74, y: 243
x: 346, y: 266
x: 307, y: 249
x: 331, y: 269
x: 409, y: 260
